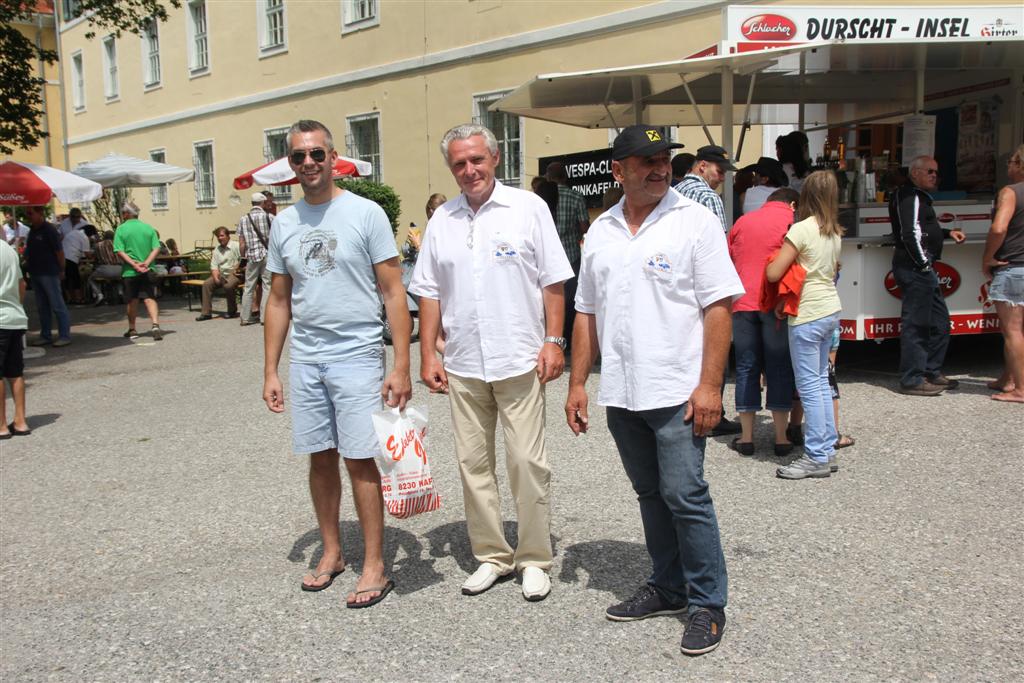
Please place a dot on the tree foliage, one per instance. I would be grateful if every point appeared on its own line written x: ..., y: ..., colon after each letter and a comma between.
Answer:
x: 379, y: 193
x: 21, y: 86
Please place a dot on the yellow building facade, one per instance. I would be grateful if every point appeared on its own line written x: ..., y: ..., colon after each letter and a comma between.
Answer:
x: 216, y: 85
x: 41, y: 30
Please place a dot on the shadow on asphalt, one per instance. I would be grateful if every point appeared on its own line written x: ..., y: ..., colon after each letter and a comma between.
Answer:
x: 615, y: 567
x: 38, y: 421
x: 411, y: 573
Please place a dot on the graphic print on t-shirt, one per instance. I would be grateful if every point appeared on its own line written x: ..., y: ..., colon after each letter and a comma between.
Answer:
x: 658, y: 265
x: 317, y: 250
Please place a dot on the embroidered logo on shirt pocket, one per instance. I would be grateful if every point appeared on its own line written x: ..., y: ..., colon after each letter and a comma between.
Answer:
x: 658, y: 266
x: 504, y: 253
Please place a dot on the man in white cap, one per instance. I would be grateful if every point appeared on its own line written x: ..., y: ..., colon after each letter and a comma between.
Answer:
x: 253, y: 230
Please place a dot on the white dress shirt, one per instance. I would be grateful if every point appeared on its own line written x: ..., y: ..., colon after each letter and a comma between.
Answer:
x: 648, y: 292
x: 75, y: 244
x: 488, y: 271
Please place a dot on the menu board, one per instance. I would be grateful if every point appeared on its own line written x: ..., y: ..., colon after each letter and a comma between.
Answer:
x: 918, y: 137
x: 976, y: 147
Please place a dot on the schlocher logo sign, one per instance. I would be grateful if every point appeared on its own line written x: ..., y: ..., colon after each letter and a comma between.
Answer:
x: 949, y: 280
x: 6, y: 197
x: 768, y: 28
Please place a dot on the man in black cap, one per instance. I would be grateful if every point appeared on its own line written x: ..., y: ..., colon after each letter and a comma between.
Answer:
x: 707, y: 174
x: 659, y: 256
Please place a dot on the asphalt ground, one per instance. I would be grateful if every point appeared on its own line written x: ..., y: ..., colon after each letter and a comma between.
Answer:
x: 155, y: 527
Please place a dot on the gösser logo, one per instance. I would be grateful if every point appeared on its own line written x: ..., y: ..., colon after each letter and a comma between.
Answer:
x: 947, y: 218
x: 949, y: 280
x: 768, y: 28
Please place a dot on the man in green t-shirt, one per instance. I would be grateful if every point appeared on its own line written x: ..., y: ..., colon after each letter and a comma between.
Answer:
x: 136, y: 244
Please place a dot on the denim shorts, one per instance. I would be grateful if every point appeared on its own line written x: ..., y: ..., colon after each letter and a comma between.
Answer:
x: 1008, y: 286
x: 332, y: 404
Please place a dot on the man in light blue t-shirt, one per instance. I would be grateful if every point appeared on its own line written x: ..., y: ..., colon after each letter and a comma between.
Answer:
x: 328, y: 255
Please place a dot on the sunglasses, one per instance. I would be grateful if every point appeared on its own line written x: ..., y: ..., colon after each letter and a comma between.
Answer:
x: 299, y: 156
x: 932, y: 171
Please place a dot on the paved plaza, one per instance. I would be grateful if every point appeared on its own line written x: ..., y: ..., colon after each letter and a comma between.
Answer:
x: 155, y: 527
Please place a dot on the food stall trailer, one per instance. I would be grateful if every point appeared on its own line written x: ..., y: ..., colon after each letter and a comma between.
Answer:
x: 867, y: 66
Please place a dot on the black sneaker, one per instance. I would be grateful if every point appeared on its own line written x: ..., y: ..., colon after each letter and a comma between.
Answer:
x: 157, y: 333
x: 131, y: 334
x: 645, y: 603
x: 726, y: 426
x: 703, y: 631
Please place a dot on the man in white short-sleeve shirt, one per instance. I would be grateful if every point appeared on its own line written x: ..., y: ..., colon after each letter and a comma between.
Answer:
x: 655, y: 294
x: 328, y: 254
x: 490, y: 272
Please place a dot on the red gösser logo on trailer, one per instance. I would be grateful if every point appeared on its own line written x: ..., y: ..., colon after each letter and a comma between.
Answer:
x: 947, y: 218
x: 768, y: 28
x: 949, y: 280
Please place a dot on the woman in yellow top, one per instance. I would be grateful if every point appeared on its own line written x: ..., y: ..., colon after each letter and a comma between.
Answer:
x: 814, y: 243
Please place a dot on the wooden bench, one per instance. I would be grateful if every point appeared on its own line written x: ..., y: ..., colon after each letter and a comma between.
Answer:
x: 172, y: 277
x: 190, y: 283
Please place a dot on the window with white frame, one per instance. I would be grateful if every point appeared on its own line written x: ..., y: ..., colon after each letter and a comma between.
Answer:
x: 150, y: 53
x: 198, y: 43
x: 273, y: 30
x: 508, y: 130
x: 110, y: 88
x: 276, y: 146
x: 357, y: 14
x: 71, y: 9
x: 202, y: 161
x: 158, y: 195
x: 77, y: 81
x: 363, y: 141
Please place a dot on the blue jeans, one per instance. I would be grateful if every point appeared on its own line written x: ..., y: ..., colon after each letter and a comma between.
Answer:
x: 50, y: 302
x: 762, y: 345
x: 809, y: 344
x: 924, y: 331
x: 665, y: 463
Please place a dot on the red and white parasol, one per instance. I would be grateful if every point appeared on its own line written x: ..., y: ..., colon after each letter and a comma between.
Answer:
x: 280, y: 173
x: 25, y: 184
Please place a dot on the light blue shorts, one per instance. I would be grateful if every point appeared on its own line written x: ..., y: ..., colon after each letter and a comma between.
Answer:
x: 332, y: 404
x: 1008, y: 286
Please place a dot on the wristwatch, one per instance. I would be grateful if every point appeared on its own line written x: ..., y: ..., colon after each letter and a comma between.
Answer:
x: 556, y: 340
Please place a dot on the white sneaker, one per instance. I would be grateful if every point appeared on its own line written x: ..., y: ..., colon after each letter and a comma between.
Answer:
x: 482, y: 579
x: 536, y: 584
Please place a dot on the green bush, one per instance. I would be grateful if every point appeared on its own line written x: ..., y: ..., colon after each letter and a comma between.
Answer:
x: 384, y: 196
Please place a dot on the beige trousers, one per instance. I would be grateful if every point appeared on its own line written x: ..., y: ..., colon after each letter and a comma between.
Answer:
x: 476, y: 406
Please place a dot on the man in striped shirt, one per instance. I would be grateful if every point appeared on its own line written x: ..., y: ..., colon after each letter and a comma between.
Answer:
x: 253, y: 231
x: 572, y: 222
x: 707, y: 174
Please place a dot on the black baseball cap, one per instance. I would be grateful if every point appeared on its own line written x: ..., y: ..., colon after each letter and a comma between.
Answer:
x: 716, y: 155
x: 641, y: 141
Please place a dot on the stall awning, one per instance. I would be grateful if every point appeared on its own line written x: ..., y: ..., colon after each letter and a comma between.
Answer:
x: 664, y: 94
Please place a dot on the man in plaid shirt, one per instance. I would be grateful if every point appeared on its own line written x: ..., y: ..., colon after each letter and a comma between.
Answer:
x: 572, y: 221
x: 707, y: 173
x: 253, y: 231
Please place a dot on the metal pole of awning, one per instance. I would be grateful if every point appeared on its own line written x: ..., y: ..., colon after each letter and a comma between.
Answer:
x: 696, y: 110
x: 746, y: 116
x: 727, y: 139
x: 920, y: 62
x: 638, y: 113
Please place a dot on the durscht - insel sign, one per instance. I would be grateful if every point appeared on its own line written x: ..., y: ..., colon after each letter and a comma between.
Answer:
x: 782, y: 24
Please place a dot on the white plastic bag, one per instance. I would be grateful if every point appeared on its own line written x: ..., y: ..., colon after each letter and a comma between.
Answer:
x: 405, y: 478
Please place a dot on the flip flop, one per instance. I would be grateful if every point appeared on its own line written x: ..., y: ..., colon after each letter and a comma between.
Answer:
x: 18, y: 432
x: 4, y: 437
x: 384, y: 590
x: 315, y: 575
x: 845, y: 441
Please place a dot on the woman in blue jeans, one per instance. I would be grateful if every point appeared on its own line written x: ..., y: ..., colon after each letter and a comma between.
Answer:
x: 814, y: 243
x: 761, y: 340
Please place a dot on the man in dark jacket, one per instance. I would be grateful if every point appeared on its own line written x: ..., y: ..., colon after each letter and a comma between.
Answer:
x: 44, y: 258
x: 924, y: 336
